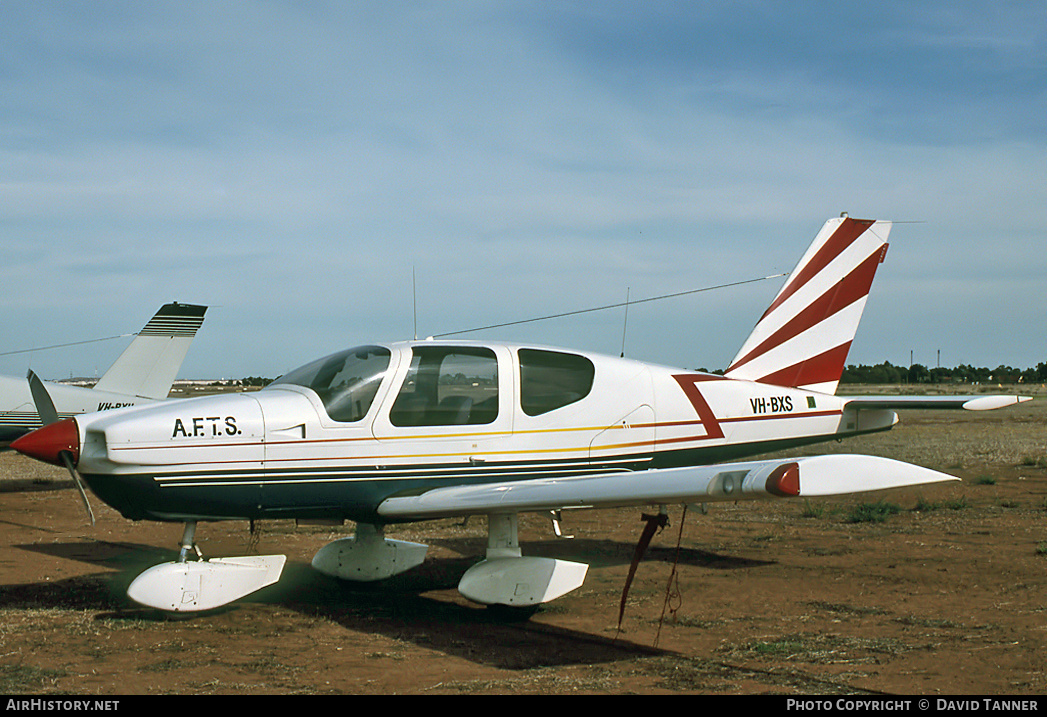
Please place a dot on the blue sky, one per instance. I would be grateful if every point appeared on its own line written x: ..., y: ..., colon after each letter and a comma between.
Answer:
x: 292, y: 164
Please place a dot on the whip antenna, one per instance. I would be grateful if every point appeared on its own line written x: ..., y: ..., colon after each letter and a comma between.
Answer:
x: 625, y: 323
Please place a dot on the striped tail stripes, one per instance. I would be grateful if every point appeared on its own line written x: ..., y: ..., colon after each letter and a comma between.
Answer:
x: 803, y: 338
x: 175, y: 320
x: 148, y: 367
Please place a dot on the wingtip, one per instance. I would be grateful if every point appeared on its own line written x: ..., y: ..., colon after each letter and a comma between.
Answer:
x: 846, y: 474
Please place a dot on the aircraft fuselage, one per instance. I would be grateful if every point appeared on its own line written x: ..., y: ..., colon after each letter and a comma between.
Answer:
x: 329, y: 442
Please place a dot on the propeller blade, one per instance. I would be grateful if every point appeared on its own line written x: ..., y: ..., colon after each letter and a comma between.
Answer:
x: 45, y: 408
x: 68, y: 460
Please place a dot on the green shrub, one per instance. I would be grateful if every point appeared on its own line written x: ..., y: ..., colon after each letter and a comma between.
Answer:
x: 876, y: 512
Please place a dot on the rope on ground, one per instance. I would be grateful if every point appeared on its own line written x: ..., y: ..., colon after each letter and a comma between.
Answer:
x: 673, y: 596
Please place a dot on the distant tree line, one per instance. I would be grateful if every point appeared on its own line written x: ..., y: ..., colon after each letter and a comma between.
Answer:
x: 249, y: 382
x: 918, y: 373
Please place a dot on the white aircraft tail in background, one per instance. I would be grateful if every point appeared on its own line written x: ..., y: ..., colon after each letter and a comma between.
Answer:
x: 143, y: 373
x: 149, y: 366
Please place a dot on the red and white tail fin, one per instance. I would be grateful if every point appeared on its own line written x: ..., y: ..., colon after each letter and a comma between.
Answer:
x: 803, y: 338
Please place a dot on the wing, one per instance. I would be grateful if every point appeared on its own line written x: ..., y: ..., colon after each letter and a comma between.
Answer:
x: 815, y: 476
x: 970, y: 403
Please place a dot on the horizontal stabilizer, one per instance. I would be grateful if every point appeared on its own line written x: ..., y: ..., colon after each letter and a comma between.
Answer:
x: 815, y: 476
x: 970, y: 403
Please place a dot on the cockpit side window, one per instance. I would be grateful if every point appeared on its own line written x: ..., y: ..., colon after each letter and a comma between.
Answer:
x: 448, y: 386
x: 346, y: 382
x: 551, y: 380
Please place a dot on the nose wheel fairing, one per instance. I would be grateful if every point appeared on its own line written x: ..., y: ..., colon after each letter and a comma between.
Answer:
x: 186, y: 585
x: 195, y: 586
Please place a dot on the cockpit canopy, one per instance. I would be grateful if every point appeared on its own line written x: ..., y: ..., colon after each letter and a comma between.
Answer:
x: 444, y: 385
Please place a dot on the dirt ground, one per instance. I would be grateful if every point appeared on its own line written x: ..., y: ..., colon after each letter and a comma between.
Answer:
x: 941, y: 590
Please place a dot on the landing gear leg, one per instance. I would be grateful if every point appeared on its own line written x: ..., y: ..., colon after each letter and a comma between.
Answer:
x: 188, y: 543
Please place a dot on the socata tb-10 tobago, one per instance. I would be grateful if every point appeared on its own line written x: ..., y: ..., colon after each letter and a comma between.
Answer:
x: 433, y: 429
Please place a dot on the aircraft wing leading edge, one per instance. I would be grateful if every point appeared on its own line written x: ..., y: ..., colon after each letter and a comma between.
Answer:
x: 814, y: 476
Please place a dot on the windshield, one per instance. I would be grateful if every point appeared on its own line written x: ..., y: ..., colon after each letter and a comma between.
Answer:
x: 346, y: 382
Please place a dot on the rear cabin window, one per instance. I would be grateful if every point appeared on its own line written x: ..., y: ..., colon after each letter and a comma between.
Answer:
x: 551, y: 380
x: 448, y: 386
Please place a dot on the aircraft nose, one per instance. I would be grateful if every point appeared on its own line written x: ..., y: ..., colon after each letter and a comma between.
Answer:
x: 47, y: 444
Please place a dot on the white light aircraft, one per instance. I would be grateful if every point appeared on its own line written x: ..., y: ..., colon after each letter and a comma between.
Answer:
x: 143, y: 373
x: 420, y: 430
